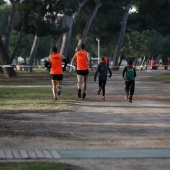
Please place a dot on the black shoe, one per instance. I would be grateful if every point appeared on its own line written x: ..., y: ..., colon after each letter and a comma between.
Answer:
x: 84, y: 95
x: 98, y: 92
x: 79, y: 93
x: 59, y: 91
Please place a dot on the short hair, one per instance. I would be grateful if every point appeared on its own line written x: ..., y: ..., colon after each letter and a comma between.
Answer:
x: 130, y: 62
x: 82, y: 46
x: 54, y: 49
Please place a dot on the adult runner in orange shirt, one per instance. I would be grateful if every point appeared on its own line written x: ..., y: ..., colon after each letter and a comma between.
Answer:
x: 56, y: 71
x: 82, y: 59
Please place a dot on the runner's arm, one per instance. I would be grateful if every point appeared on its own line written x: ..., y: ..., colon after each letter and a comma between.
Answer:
x: 134, y: 72
x: 123, y: 74
x: 96, y: 73
x: 89, y: 59
x: 109, y: 71
x: 74, y: 59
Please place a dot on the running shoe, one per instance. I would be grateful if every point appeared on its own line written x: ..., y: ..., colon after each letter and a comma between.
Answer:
x: 130, y: 99
x: 98, y: 92
x: 55, y: 98
x: 103, y: 98
x: 84, y: 95
x: 59, y: 90
x: 79, y: 93
x: 127, y: 96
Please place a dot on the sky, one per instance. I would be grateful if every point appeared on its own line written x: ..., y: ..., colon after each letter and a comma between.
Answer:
x: 7, y: 1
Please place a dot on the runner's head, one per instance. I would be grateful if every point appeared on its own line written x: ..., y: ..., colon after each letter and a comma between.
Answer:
x: 54, y: 49
x: 82, y: 46
x: 130, y: 62
x: 102, y: 60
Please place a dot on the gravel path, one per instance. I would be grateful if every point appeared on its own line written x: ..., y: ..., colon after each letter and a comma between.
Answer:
x: 94, y: 124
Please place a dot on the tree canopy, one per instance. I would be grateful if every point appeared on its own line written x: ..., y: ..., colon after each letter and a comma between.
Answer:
x: 147, y: 30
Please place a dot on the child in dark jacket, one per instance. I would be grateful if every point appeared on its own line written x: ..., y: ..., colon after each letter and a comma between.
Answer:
x: 129, y: 74
x: 101, y: 72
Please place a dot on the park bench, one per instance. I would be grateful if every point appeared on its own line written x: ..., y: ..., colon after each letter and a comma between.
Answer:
x: 27, y: 68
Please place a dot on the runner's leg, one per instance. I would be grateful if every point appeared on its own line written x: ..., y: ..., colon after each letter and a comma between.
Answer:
x: 79, y: 80
x: 84, y: 83
x: 103, y: 87
x: 54, y: 88
x: 59, y: 83
x: 132, y: 88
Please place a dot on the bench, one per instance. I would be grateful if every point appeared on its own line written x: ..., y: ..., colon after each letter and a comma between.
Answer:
x: 26, y: 68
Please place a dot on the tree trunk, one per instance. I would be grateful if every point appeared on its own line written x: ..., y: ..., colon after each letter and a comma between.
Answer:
x: 142, y: 63
x: 121, y: 37
x: 68, y: 21
x: 34, y: 50
x: 21, y: 35
x: 10, y: 24
x: 86, y: 29
x: 4, y: 60
x: 120, y: 60
x: 63, y: 44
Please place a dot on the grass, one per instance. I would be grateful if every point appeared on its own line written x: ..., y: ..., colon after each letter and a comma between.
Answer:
x: 164, y: 78
x: 31, y: 92
x: 37, y: 166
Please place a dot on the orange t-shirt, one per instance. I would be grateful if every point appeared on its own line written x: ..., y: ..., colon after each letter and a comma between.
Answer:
x: 82, y: 60
x: 56, y: 64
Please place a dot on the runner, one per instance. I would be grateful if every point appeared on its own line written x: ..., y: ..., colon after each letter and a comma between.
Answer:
x: 101, y: 71
x: 82, y: 60
x: 130, y: 72
x: 56, y: 71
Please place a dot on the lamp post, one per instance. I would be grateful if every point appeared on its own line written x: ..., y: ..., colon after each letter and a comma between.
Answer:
x: 98, y: 40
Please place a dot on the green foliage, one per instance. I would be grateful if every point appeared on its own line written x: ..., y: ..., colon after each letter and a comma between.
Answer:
x: 37, y: 17
x: 153, y: 14
x: 4, y: 13
x: 2, y: 2
x: 143, y: 43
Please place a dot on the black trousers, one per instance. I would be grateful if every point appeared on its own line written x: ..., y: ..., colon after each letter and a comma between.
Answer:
x: 130, y: 87
x: 102, y: 84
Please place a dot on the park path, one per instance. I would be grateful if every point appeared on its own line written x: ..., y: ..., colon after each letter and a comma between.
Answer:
x: 113, y: 128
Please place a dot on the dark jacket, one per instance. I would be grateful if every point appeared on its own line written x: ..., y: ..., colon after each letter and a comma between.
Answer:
x: 101, y: 71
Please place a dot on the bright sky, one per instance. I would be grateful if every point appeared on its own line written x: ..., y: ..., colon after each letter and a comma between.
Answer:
x: 7, y: 1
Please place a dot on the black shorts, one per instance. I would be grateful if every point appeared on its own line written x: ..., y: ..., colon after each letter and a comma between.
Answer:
x: 57, y: 77
x: 83, y: 72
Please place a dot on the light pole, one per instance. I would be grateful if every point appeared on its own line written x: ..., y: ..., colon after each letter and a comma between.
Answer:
x: 98, y: 40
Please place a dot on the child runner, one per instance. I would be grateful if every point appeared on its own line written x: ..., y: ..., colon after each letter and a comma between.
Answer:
x: 101, y: 71
x: 130, y: 73
x: 56, y: 71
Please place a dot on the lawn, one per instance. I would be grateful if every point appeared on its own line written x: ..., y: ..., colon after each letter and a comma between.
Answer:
x: 164, y: 77
x: 37, y: 166
x: 30, y: 92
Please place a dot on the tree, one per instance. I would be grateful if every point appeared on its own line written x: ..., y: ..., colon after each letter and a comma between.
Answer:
x: 4, y: 60
x: 10, y: 23
x: 121, y: 37
x: 36, y: 21
x: 68, y: 21
x: 88, y: 23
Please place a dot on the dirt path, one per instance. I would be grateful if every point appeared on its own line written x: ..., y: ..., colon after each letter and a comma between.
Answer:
x: 94, y: 124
